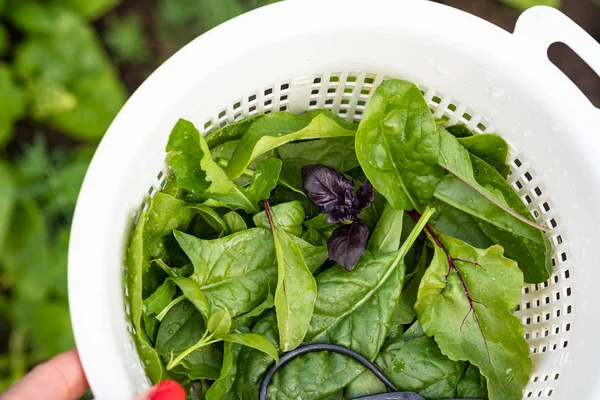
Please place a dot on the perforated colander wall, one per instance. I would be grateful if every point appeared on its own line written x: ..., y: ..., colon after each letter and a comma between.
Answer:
x: 547, y: 310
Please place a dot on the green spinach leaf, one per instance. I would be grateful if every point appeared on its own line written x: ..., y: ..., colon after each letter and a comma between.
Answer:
x: 264, y: 180
x: 419, y: 366
x: 288, y: 216
x: 219, y: 323
x: 405, y: 312
x: 490, y: 148
x: 192, y: 164
x: 388, y: 231
x: 212, y: 218
x: 366, y: 384
x: 296, y: 287
x: 233, y: 272
x: 231, y: 132
x: 222, y: 388
x: 164, y: 214
x: 314, y: 256
x: 159, y: 299
x: 397, y: 145
x: 472, y: 385
x: 531, y: 253
x: 204, y: 363
x: 248, y: 319
x: 458, y: 224
x: 153, y: 365
x: 460, y: 131
x: 180, y: 328
x: 192, y: 292
x: 277, y: 129
x: 465, y: 301
x: 235, y: 222
x: 252, y: 340
x: 252, y: 364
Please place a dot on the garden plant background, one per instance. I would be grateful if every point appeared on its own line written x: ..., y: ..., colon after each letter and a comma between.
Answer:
x: 66, y: 68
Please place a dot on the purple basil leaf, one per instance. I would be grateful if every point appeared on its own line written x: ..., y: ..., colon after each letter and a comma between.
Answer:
x: 347, y: 243
x: 365, y: 195
x: 331, y: 192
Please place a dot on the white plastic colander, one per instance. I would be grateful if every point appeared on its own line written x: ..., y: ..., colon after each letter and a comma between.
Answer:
x: 304, y: 54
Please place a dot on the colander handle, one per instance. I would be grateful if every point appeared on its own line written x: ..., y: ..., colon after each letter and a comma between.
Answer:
x: 544, y: 26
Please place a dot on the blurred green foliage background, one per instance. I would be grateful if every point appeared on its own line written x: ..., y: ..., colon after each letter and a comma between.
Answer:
x: 66, y: 68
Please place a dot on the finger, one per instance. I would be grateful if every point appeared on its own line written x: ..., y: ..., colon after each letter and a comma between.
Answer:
x: 165, y: 390
x: 61, y: 378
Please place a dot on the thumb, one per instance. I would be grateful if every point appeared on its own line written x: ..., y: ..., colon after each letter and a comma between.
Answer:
x: 165, y: 390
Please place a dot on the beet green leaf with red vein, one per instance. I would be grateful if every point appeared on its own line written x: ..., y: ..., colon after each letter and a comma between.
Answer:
x: 465, y: 302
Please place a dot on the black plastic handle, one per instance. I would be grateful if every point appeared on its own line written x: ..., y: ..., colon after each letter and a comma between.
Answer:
x: 309, y: 348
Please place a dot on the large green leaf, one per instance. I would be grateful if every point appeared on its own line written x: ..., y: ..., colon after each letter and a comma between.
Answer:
x: 222, y: 388
x: 397, y: 145
x: 532, y: 253
x: 277, y: 129
x: 458, y: 224
x: 235, y: 222
x: 480, y: 191
x: 159, y: 299
x: 252, y: 364
x: 165, y: 214
x: 153, y: 364
x: 233, y: 272
x: 465, y: 302
x: 254, y: 341
x: 405, y: 312
x: 192, y: 164
x: 353, y: 309
x: 180, y: 328
x: 296, y: 289
x: 418, y: 365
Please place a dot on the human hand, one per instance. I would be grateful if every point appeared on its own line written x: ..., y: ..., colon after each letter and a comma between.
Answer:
x: 62, y: 378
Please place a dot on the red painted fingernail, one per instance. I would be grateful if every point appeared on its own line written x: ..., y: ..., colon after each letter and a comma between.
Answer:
x: 167, y: 390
